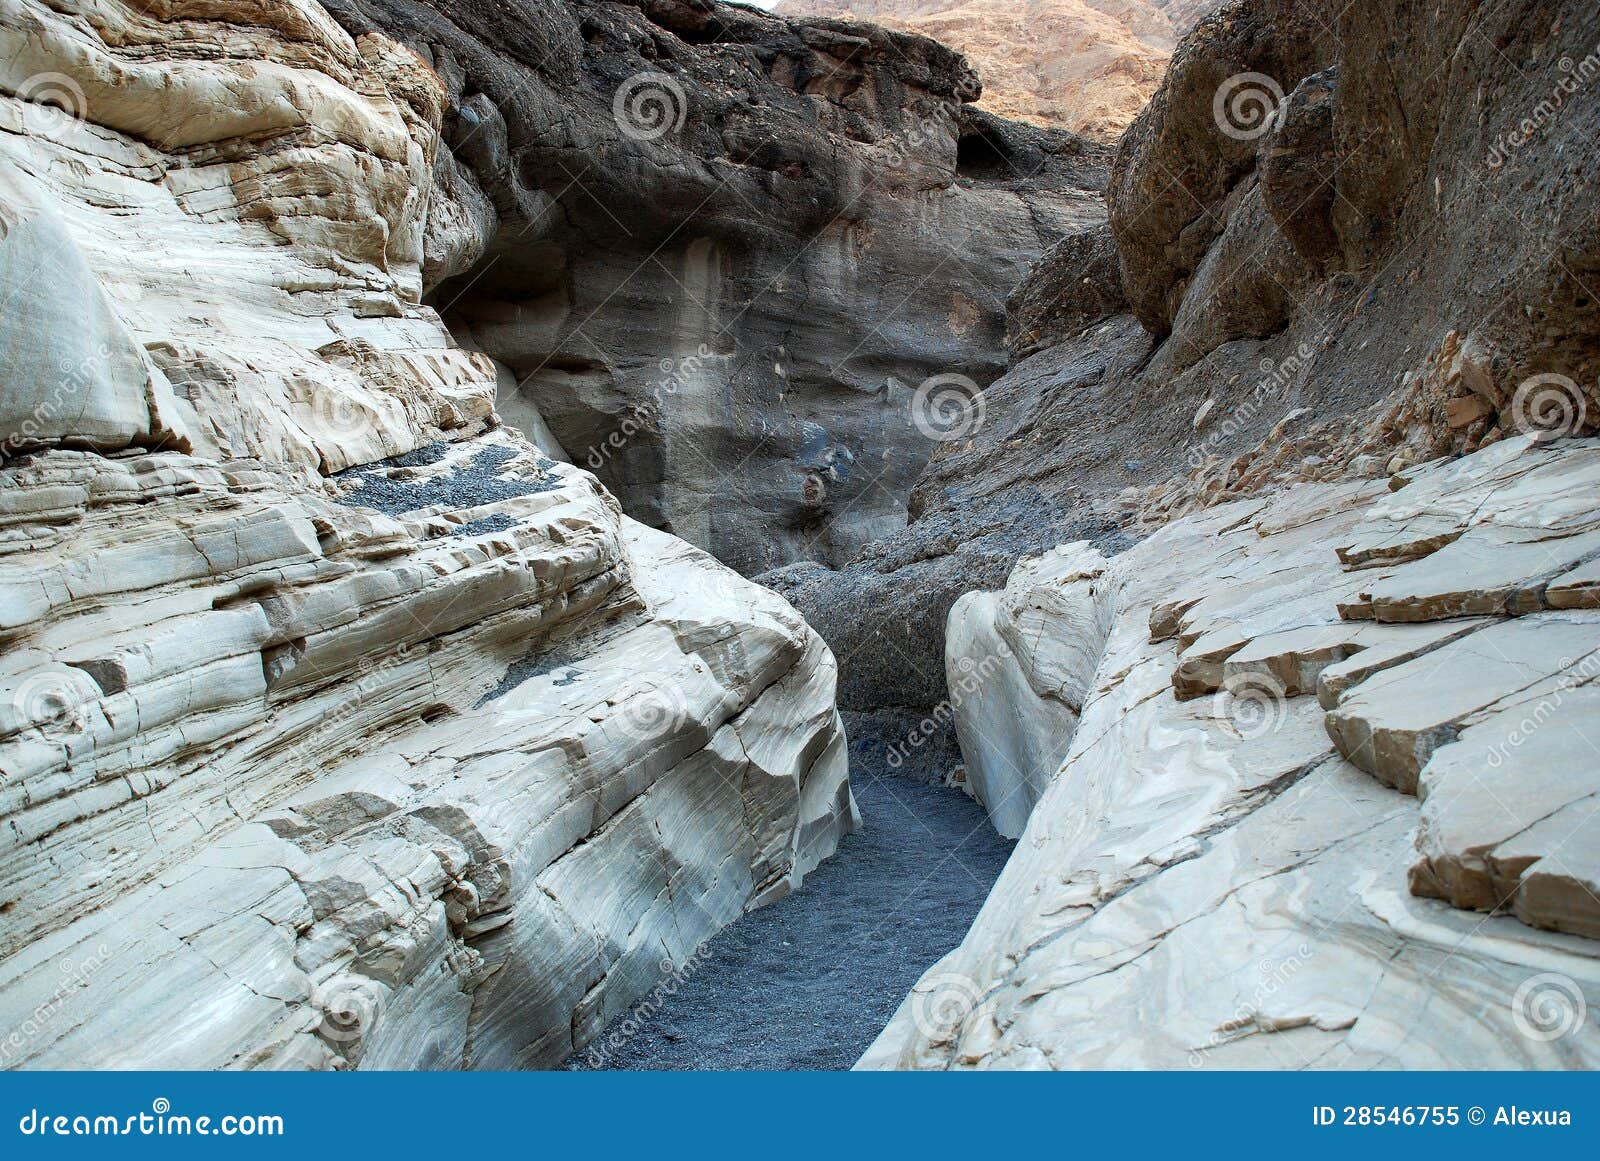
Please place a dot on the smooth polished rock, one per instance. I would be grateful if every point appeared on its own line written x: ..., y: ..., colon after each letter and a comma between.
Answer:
x: 1015, y: 662
x: 1221, y: 881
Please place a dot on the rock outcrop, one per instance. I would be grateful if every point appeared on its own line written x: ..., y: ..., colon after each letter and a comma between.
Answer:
x: 1084, y: 65
x: 1323, y: 673
x: 1018, y: 663
x: 339, y: 724
x: 723, y: 253
x: 1285, y: 703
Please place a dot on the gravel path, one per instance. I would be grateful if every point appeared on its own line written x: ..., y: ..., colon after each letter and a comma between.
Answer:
x: 810, y: 981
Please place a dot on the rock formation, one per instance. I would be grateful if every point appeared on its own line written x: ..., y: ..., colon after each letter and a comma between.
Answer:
x: 1084, y: 65
x: 1285, y: 703
x: 346, y: 720
x: 1326, y: 794
x: 339, y: 725
x: 722, y: 253
x: 1431, y: 295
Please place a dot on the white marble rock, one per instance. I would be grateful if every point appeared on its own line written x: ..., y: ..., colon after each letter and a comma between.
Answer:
x: 431, y: 765
x: 1289, y: 835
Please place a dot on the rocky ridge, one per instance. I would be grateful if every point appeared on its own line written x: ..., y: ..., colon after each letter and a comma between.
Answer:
x: 339, y: 725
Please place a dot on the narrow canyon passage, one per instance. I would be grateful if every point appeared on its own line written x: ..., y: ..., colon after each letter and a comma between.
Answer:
x: 810, y: 981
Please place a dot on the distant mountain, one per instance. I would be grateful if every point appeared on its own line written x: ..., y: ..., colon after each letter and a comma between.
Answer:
x: 1084, y: 65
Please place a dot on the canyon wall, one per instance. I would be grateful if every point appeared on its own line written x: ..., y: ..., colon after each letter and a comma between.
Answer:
x: 339, y: 724
x: 724, y: 254
x: 1332, y: 800
x: 1393, y: 263
x: 1289, y: 684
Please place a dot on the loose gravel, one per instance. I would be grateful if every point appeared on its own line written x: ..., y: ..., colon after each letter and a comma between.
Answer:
x: 809, y: 982
x: 385, y: 486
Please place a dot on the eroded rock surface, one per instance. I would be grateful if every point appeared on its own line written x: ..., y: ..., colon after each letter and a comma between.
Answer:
x: 721, y: 251
x: 1218, y: 872
x: 1368, y: 271
x: 1016, y: 662
x: 339, y: 724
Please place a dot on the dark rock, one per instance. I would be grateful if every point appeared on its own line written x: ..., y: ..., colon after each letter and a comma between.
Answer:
x: 1300, y: 169
x: 1076, y: 284
x: 884, y: 613
x: 1286, y: 274
x: 1183, y: 157
x: 718, y: 247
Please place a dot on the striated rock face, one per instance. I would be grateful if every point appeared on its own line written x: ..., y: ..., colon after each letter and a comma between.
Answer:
x: 1085, y: 65
x: 721, y: 252
x: 339, y: 724
x: 1384, y: 271
x: 1286, y: 703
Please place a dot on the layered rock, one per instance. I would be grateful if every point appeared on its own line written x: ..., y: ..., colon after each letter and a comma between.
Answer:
x: 1085, y: 65
x: 339, y: 724
x: 1297, y: 698
x: 1287, y: 513
x: 721, y: 251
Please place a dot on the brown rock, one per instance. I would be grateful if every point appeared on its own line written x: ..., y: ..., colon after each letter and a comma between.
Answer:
x: 1466, y: 411
x: 1084, y: 65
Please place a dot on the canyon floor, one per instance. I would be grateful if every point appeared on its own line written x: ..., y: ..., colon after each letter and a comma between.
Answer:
x: 809, y: 982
